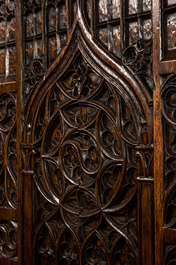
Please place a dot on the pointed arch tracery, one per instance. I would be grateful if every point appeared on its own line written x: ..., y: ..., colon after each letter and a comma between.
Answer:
x: 91, y: 119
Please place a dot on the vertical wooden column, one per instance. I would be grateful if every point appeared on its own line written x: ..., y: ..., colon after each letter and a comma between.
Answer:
x: 145, y: 204
x: 18, y: 15
x: 28, y: 222
x: 158, y: 137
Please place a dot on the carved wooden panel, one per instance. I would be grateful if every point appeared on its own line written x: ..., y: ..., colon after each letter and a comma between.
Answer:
x: 83, y: 171
x: 88, y: 143
x: 90, y: 167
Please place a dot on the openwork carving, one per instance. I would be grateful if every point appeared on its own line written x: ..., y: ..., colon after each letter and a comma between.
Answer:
x: 8, y: 239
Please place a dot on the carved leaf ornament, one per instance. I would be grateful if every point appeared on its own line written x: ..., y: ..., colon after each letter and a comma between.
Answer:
x: 83, y: 137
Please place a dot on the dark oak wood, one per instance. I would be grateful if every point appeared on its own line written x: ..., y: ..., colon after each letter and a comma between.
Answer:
x: 87, y: 132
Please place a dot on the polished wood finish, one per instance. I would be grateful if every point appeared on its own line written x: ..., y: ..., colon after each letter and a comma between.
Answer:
x: 87, y: 132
